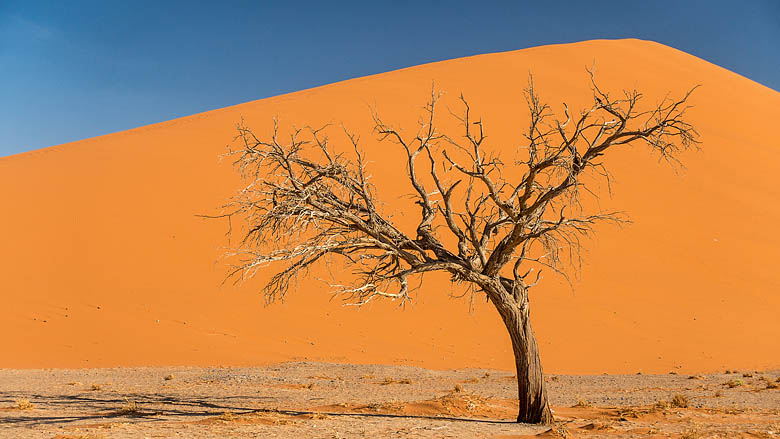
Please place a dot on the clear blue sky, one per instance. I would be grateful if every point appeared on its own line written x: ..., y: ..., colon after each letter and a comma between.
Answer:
x: 76, y: 69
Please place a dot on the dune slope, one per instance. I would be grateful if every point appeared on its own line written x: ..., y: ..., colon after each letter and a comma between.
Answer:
x: 105, y: 263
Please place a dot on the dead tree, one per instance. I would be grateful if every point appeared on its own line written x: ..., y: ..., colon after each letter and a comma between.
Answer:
x: 492, y: 226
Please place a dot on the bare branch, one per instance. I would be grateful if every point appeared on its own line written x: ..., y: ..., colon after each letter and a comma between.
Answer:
x: 307, y: 202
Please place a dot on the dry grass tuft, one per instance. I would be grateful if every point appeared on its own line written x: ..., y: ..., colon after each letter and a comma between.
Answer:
x: 771, y: 385
x: 458, y: 388
x: 227, y: 416
x: 79, y: 436
x: 168, y: 377
x: 130, y: 408
x: 23, y: 404
x: 95, y: 387
x: 718, y: 393
x: 327, y: 378
x: 387, y: 381
x: 747, y: 375
x: 680, y: 401
x: 405, y: 381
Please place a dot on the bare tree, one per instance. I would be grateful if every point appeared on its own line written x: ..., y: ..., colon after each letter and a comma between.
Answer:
x: 492, y: 226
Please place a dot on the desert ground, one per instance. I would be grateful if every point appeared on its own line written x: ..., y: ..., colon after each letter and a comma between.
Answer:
x: 326, y: 400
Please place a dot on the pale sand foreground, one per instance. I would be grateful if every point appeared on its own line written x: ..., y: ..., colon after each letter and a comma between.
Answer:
x: 323, y: 400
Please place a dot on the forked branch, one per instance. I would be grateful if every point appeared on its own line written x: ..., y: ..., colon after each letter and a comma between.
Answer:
x: 482, y: 220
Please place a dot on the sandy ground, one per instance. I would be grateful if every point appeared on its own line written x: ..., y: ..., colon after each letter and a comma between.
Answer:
x: 323, y: 400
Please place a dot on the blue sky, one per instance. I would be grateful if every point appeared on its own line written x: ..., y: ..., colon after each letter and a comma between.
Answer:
x: 76, y: 69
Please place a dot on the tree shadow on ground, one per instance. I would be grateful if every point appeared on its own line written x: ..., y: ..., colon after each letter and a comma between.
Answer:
x: 153, y: 407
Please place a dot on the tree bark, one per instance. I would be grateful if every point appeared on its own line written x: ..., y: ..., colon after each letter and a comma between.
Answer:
x: 534, y: 407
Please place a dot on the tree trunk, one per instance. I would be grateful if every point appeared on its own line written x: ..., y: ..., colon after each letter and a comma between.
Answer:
x: 531, y: 392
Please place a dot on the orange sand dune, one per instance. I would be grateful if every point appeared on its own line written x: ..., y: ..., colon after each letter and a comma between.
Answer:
x: 104, y: 262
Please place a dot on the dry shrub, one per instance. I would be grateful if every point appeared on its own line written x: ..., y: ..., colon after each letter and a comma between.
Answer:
x: 367, y: 377
x: 662, y: 405
x: 458, y: 388
x: 680, y: 401
x: 405, y: 381
x: 95, y: 387
x: 581, y: 402
x: 628, y: 412
x: 559, y: 430
x: 487, y: 375
x: 168, y: 377
x: 747, y: 375
x: 718, y: 393
x: 691, y: 434
x: 24, y: 404
x: 376, y: 406
x: 597, y: 426
x: 771, y: 385
x: 472, y: 380
x: 387, y: 381
x: 734, y: 383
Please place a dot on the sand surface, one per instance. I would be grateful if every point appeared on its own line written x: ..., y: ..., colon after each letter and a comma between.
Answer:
x: 104, y: 262
x: 319, y: 400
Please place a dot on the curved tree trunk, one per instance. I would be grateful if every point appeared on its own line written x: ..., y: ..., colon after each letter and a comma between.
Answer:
x: 534, y: 407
